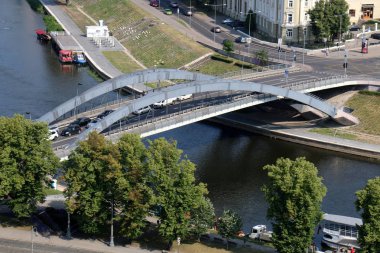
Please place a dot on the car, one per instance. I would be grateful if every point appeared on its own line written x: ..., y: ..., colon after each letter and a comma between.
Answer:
x: 163, y: 103
x: 53, y: 134
x: 187, y: 12
x: 236, y: 24
x: 93, y: 122
x: 216, y: 29
x: 104, y: 114
x: 71, y: 129
x: 243, y: 39
x: 228, y: 20
x: 143, y: 110
x: 354, y: 28
x: 184, y: 97
x: 82, y: 122
x: 375, y: 36
x: 174, y: 4
x: 168, y: 12
x: 153, y: 3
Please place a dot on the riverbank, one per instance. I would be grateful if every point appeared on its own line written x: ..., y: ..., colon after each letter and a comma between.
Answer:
x: 298, y: 133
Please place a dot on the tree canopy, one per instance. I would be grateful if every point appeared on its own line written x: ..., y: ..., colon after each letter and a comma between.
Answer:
x: 229, y: 224
x: 294, y: 194
x: 329, y: 19
x: 26, y: 161
x: 368, y: 202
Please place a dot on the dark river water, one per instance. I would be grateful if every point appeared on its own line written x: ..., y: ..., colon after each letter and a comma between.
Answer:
x: 228, y: 160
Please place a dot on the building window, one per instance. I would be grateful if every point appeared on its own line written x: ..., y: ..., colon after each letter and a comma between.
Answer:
x: 290, y: 18
x: 290, y: 3
x: 351, y: 13
x: 289, y: 33
x: 306, y: 16
x: 306, y: 3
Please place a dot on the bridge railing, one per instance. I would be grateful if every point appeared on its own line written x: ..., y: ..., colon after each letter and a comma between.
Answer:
x: 252, y: 71
x: 316, y: 82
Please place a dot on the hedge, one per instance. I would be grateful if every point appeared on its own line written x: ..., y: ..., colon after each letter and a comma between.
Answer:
x: 244, y: 65
x: 370, y: 93
x: 221, y: 58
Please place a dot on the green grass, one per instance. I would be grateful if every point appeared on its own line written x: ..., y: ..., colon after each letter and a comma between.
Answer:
x: 366, y: 109
x: 146, y: 37
x: 51, y: 24
x: 52, y: 192
x: 121, y: 61
x: 333, y: 132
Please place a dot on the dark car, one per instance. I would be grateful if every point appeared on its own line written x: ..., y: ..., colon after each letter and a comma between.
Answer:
x: 216, y: 29
x: 82, y: 122
x: 187, y: 12
x: 71, y: 129
x: 104, y: 114
x: 375, y: 36
x: 174, y: 4
x: 354, y: 28
x: 154, y: 3
x: 236, y: 24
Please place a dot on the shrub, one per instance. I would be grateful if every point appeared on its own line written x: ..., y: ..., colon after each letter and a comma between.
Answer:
x: 36, y: 5
x: 244, y: 65
x: 52, y: 24
x: 369, y: 93
x: 221, y: 58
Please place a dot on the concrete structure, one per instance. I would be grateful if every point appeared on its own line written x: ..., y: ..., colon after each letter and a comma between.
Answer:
x: 97, y: 31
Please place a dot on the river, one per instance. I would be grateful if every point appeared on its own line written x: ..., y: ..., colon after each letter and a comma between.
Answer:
x: 230, y: 161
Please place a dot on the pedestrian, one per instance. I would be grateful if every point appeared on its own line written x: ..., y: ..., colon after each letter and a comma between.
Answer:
x: 319, y: 229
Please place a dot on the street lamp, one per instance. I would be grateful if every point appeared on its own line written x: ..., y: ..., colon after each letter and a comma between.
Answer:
x: 29, y: 115
x: 75, y: 106
x: 215, y: 5
x: 304, y: 41
x: 340, y: 26
x: 68, y: 232
x: 111, y: 237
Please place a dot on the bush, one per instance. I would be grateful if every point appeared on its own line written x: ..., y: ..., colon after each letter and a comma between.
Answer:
x: 52, y: 24
x: 244, y: 65
x: 369, y: 93
x: 221, y: 58
x: 36, y: 5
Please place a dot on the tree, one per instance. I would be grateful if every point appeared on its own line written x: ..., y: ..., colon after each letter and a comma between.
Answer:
x: 68, y: 2
x: 368, y: 201
x: 294, y: 194
x: 229, y: 224
x: 92, y: 173
x: 262, y: 56
x: 135, y: 195
x: 26, y: 161
x: 202, y: 218
x: 173, y: 183
x: 329, y: 19
x: 228, y: 46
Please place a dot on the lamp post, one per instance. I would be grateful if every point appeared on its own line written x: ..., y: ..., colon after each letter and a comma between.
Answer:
x: 29, y: 115
x: 340, y: 26
x: 68, y: 232
x: 111, y: 236
x: 303, y: 51
x: 33, y: 232
x: 215, y: 5
x: 76, y: 98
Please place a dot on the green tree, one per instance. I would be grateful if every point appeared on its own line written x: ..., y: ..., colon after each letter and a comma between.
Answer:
x: 262, y: 56
x: 26, y: 160
x: 202, y: 218
x: 229, y: 224
x: 92, y: 173
x: 228, y: 46
x: 294, y: 194
x: 368, y: 202
x: 133, y: 191
x: 173, y: 183
x: 329, y: 19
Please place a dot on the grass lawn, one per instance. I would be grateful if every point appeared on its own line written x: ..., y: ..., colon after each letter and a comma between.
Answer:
x: 146, y: 37
x: 333, y: 132
x: 366, y: 109
x: 121, y: 61
x: 211, y: 248
x: 52, y: 192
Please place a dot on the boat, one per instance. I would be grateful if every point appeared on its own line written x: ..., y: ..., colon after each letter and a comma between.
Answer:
x: 340, y: 231
x: 79, y: 58
x: 65, y: 56
x: 42, y: 35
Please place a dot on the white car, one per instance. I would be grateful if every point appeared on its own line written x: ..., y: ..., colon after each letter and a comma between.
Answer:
x: 228, y: 20
x: 184, y: 97
x: 93, y: 122
x: 142, y: 110
x: 53, y: 134
x: 163, y: 103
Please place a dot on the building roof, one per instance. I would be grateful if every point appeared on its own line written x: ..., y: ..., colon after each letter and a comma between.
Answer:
x: 342, y: 219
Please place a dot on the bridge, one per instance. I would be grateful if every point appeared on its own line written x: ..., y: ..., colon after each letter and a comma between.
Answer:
x: 254, y: 93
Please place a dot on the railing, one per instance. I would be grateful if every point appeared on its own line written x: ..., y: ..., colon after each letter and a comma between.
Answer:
x: 238, y: 73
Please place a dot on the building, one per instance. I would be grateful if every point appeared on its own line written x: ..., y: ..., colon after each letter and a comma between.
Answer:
x: 288, y: 19
x: 97, y: 31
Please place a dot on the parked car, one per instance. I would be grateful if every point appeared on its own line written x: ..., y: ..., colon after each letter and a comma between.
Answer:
x: 184, y: 97
x: 187, y: 12
x: 154, y: 3
x: 143, y: 110
x: 104, y: 114
x: 174, y: 4
x: 163, y: 103
x: 216, y: 29
x: 53, y: 134
x: 354, y: 28
x: 243, y: 39
x: 236, y: 24
x: 168, y: 12
x: 228, y: 20
x: 375, y: 36
x: 93, y: 122
x: 81, y: 122
x: 71, y: 130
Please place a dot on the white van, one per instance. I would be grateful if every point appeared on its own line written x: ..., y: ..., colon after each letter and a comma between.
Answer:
x: 163, y: 103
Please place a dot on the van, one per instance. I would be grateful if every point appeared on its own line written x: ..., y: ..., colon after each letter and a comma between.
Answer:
x: 163, y: 103
x: 184, y: 97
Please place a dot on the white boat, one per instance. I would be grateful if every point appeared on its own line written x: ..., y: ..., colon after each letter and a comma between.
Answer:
x: 340, y: 231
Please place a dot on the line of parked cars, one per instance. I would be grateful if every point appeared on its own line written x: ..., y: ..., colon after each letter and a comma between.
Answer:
x: 161, y: 104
